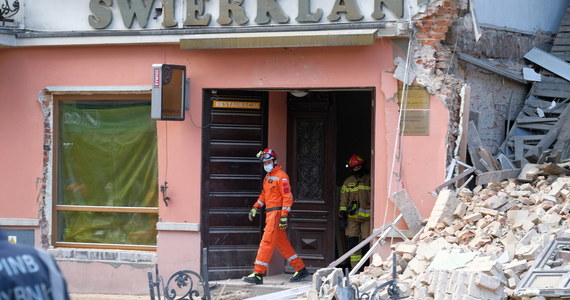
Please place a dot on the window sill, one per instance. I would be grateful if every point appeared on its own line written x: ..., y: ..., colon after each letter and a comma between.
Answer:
x: 102, y: 255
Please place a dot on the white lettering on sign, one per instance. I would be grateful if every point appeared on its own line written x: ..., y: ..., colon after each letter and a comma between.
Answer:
x: 237, y: 104
x: 156, y: 77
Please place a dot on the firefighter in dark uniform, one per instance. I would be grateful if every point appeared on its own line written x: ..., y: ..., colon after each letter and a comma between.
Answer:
x: 29, y: 273
x: 354, y: 210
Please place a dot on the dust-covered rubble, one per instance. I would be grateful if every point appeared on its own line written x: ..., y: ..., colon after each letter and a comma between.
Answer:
x: 480, y: 244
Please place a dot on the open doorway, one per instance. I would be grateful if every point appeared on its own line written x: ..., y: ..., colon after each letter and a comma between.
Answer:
x: 354, y: 136
x: 324, y: 129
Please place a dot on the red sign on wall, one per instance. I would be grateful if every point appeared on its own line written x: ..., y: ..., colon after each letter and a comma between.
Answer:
x: 156, y: 77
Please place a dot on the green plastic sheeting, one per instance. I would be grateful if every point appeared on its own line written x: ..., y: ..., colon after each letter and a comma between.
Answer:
x: 107, y: 157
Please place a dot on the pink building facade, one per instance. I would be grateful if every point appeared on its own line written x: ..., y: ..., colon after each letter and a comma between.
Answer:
x: 205, y: 164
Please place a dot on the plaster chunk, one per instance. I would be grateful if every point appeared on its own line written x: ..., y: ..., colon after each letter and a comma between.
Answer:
x: 460, y: 210
x: 490, y: 283
x: 556, y: 188
x: 429, y: 250
x: 496, y: 201
x: 517, y: 266
x: 406, y: 247
x: 487, y: 211
x: 471, y: 218
x: 552, y: 219
x: 418, y: 265
x: 446, y: 260
x: 517, y: 217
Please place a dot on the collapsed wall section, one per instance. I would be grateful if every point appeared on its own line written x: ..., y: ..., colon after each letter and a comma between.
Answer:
x: 433, y: 59
x: 495, y: 100
x: 446, y: 28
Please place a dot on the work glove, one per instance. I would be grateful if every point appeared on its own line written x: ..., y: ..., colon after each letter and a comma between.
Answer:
x: 353, y: 208
x: 252, y: 214
x: 342, y: 216
x: 283, y: 223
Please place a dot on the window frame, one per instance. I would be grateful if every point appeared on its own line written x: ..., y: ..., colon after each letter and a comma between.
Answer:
x: 85, y: 96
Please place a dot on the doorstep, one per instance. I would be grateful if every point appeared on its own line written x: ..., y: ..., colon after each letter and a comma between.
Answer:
x: 244, y: 290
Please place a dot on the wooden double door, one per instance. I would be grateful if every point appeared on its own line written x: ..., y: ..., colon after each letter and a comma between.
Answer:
x: 232, y: 176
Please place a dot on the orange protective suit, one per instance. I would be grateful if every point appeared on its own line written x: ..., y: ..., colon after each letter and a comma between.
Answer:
x: 277, y: 198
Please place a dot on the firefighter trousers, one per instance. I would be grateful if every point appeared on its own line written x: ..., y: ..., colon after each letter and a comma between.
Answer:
x: 356, y: 231
x: 273, y: 237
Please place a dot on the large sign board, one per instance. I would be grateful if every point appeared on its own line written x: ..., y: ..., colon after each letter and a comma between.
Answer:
x: 107, y: 14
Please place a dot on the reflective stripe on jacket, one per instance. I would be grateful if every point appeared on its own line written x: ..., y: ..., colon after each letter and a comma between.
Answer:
x: 276, y: 191
x: 356, y: 190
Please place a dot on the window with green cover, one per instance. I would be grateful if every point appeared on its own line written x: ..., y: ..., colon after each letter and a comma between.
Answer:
x: 107, y: 174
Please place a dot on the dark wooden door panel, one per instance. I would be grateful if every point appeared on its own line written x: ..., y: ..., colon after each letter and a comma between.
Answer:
x: 232, y: 258
x: 310, y: 238
x: 231, y: 181
x: 233, y: 149
x: 227, y: 183
x: 240, y: 237
x: 239, y: 134
x: 311, y: 164
x: 235, y: 166
x: 232, y: 200
x: 234, y: 219
x: 237, y: 118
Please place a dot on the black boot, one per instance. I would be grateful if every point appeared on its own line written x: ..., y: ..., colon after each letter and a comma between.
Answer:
x: 253, y: 278
x: 299, y: 275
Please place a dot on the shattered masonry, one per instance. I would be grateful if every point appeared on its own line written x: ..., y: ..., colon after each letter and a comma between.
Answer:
x: 46, y: 104
x: 488, y: 245
x: 433, y: 60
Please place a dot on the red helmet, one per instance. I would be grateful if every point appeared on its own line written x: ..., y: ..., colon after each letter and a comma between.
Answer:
x: 267, y: 154
x: 355, y: 160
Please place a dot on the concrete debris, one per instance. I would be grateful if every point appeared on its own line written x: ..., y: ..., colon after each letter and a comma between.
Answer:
x: 531, y: 75
x: 409, y: 211
x: 443, y: 208
x: 549, y: 62
x: 489, y: 66
x: 478, y: 244
x: 404, y: 73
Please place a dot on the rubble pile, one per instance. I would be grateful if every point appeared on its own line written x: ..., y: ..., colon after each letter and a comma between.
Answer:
x: 480, y: 243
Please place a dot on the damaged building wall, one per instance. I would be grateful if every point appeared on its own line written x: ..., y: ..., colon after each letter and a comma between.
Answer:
x: 433, y: 59
x: 495, y: 99
x: 46, y: 104
x: 446, y: 28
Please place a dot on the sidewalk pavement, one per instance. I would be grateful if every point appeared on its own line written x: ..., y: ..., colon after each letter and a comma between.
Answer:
x: 233, y: 289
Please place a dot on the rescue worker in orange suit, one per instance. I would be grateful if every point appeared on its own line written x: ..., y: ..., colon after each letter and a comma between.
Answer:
x: 354, y: 210
x: 277, y: 198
